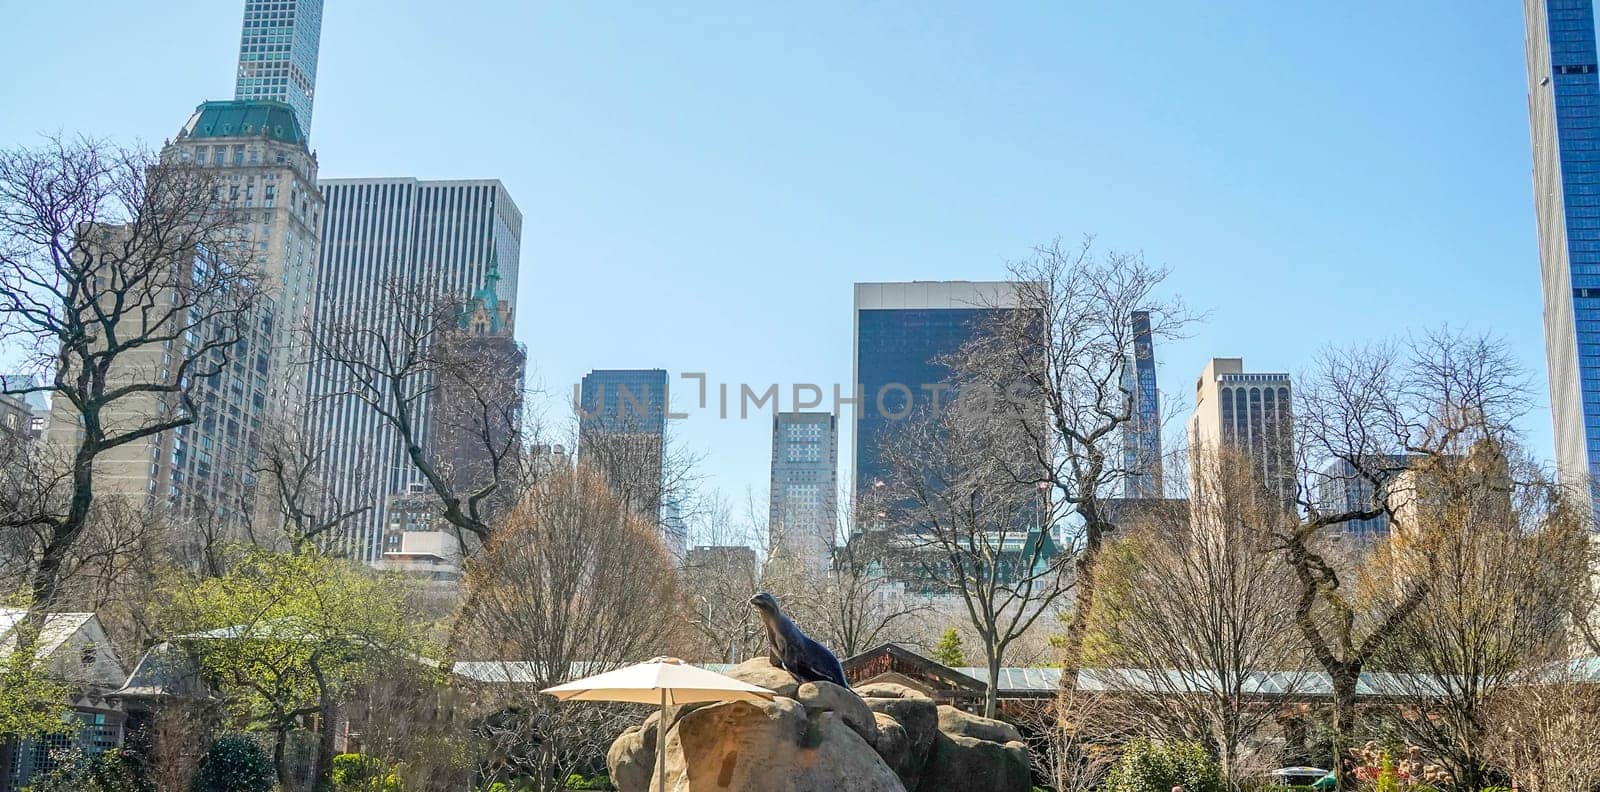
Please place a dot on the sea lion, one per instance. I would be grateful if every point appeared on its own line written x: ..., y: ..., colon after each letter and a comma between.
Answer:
x: 793, y: 650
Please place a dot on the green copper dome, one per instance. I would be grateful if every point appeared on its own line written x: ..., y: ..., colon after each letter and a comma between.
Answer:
x: 245, y: 118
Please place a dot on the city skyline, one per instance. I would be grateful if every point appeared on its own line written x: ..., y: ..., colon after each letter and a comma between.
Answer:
x: 919, y: 230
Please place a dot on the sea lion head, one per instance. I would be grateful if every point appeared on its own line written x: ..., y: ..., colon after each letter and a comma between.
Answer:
x: 765, y: 604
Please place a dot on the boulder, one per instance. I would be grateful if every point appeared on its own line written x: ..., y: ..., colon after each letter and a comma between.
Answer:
x: 887, y: 690
x: 828, y: 697
x: 774, y: 746
x: 632, y: 758
x: 894, y: 745
x: 761, y: 672
x: 920, y: 719
x: 819, y: 737
x: 959, y: 763
x: 965, y: 724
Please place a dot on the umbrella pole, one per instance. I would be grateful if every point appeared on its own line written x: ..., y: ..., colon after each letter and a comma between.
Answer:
x: 661, y: 745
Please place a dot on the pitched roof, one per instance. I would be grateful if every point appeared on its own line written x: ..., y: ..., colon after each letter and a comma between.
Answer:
x: 58, y: 627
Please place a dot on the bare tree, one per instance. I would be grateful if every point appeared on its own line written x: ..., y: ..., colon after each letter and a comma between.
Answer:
x: 1193, y: 608
x: 1064, y: 741
x: 1502, y: 556
x: 400, y: 358
x: 575, y: 583
x: 1369, y: 414
x: 970, y: 526
x: 1545, y: 733
x: 128, y: 281
x: 641, y: 458
x: 1064, y: 356
x: 292, y: 471
x: 720, y: 575
x: 855, y: 605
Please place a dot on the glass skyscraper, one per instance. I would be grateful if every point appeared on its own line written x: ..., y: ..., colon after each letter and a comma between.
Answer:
x: 1141, y: 439
x: 902, y: 332
x: 622, y: 433
x: 278, y: 54
x: 1564, y: 113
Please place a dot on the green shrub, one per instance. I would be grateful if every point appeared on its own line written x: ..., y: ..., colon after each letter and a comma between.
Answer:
x: 357, y: 773
x: 1148, y: 766
x: 599, y: 781
x: 116, y: 770
x: 234, y: 763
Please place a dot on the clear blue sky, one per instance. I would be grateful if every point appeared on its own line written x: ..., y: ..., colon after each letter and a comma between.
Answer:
x: 702, y: 182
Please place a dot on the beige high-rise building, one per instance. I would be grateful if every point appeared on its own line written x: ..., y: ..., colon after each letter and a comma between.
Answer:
x: 204, y: 470
x: 1247, y: 412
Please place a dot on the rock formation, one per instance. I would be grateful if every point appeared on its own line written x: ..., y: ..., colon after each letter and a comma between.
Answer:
x: 819, y: 737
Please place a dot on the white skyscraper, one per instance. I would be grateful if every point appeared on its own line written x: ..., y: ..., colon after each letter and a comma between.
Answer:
x: 804, y: 489
x: 278, y: 54
x: 1251, y: 413
x: 441, y: 236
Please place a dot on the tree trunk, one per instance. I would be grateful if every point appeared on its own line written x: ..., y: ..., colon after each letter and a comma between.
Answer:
x: 991, y: 693
x: 327, y: 726
x: 278, y: 759
x: 1344, y: 712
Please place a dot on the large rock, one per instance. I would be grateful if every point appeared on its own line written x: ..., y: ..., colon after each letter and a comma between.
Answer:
x: 761, y: 672
x: 828, y: 697
x: 965, y: 724
x: 772, y: 746
x: 894, y: 745
x: 819, y: 737
x: 887, y: 690
x: 632, y: 758
x: 920, y: 719
x: 967, y: 764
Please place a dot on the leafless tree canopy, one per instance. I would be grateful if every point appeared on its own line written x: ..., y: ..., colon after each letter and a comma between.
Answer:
x: 127, y: 281
x: 575, y: 580
x: 969, y: 525
x: 1501, y: 555
x: 1546, y: 733
x: 292, y: 471
x: 1193, y: 604
x: 1065, y: 355
x: 1379, y: 413
x: 574, y: 584
x: 404, y: 354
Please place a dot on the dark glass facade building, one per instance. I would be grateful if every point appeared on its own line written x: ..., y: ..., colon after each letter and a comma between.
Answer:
x: 903, y: 330
x: 623, y: 400
x: 1141, y: 438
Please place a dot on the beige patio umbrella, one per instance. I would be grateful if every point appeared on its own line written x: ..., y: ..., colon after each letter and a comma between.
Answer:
x: 665, y: 681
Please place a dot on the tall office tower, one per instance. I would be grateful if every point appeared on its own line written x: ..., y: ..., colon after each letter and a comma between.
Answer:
x: 1564, y: 112
x: 902, y: 330
x: 278, y: 54
x: 203, y: 471
x: 1247, y: 412
x: 446, y: 237
x: 803, y: 516
x: 1141, y: 437
x: 622, y: 428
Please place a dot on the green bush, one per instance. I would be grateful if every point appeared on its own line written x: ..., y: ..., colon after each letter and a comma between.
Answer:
x: 116, y: 770
x: 1148, y: 766
x: 599, y: 781
x: 357, y: 773
x: 234, y: 763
